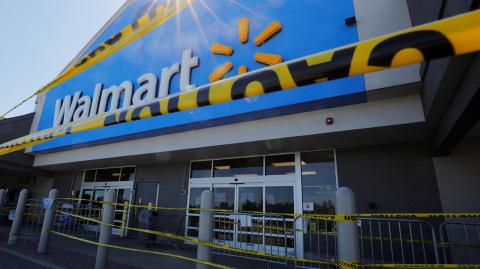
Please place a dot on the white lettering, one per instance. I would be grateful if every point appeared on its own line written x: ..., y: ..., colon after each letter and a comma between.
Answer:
x: 64, y: 110
x: 96, y: 99
x: 188, y: 62
x: 146, y: 91
x: 167, y: 75
x: 83, y: 108
x: 113, y: 93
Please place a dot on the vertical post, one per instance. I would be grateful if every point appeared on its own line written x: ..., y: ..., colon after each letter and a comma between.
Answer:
x: 105, y: 229
x: 17, y: 221
x: 47, y: 222
x: 123, y: 230
x: 347, y: 235
x: 205, y: 232
x: 2, y: 198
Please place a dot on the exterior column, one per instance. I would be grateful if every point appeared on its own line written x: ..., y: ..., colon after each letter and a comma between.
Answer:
x: 205, y: 230
x: 47, y: 223
x: 106, y: 229
x: 17, y: 221
x: 347, y: 234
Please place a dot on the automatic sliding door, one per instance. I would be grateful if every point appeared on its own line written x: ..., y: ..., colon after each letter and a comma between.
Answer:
x: 224, y: 199
x: 250, y: 225
x: 279, y: 232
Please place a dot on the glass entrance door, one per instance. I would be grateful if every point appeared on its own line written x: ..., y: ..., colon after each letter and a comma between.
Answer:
x: 96, y: 193
x: 258, y: 223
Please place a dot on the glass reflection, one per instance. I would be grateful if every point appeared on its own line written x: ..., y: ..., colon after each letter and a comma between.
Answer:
x: 250, y: 199
x: 224, y: 198
x: 279, y: 199
x: 280, y: 164
x: 238, y: 167
x: 319, y: 182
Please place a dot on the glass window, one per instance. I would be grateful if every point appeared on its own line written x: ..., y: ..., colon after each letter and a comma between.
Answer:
x: 280, y: 165
x: 89, y: 176
x: 250, y: 199
x: 196, y: 197
x: 110, y: 174
x: 128, y: 174
x: 319, y: 182
x: 238, y: 167
x: 201, y: 169
x: 86, y: 196
x: 279, y: 199
x: 98, y: 195
x: 224, y: 198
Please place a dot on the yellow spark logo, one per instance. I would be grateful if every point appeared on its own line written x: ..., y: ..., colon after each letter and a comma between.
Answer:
x: 243, y: 32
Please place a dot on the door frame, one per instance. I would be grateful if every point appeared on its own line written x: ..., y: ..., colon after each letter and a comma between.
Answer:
x: 259, y: 181
x: 109, y: 185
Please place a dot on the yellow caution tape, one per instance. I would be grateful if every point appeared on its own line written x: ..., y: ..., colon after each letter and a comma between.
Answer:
x: 141, y: 250
x: 452, y: 36
x: 201, y: 242
x: 327, y: 217
x: 341, y: 264
x: 127, y: 35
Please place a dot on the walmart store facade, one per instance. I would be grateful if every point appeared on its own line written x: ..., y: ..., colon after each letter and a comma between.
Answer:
x: 404, y: 140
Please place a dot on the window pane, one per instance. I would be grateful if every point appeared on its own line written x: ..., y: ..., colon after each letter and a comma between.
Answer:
x: 224, y: 198
x: 279, y: 199
x: 201, y: 169
x: 195, y: 198
x: 250, y: 199
x: 110, y: 174
x: 280, y: 165
x: 319, y: 182
x: 238, y: 167
x: 89, y: 176
x: 128, y: 174
x: 98, y: 195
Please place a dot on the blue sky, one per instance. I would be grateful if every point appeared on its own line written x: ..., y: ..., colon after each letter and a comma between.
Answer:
x: 39, y: 38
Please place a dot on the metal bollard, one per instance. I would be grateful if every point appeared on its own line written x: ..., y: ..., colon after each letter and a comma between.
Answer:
x: 17, y: 221
x: 106, y: 229
x: 347, y: 236
x: 2, y: 198
x: 47, y: 223
x: 205, y: 232
x: 123, y: 230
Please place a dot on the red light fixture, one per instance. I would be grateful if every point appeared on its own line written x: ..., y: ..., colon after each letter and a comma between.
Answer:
x: 329, y: 121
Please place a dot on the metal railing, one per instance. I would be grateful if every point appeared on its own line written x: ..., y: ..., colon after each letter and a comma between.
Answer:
x: 460, y: 242
x: 255, y: 232
x: 316, y: 240
x: 397, y: 241
x: 77, y: 226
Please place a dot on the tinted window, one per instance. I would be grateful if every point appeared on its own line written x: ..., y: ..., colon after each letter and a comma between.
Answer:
x: 89, y: 176
x: 110, y: 174
x: 128, y: 174
x: 238, y: 167
x: 319, y: 182
x: 279, y: 199
x: 201, y: 169
x: 280, y: 164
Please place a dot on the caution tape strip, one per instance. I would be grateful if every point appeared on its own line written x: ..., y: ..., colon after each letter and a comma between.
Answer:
x: 328, y: 217
x: 142, y: 250
x: 341, y: 264
x: 127, y: 35
x: 448, y: 37
x: 201, y: 242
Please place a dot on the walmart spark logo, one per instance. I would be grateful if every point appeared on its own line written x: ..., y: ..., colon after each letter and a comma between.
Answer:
x: 243, y: 32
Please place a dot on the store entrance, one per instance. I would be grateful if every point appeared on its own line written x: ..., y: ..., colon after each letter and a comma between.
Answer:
x: 95, y: 192
x: 259, y: 224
